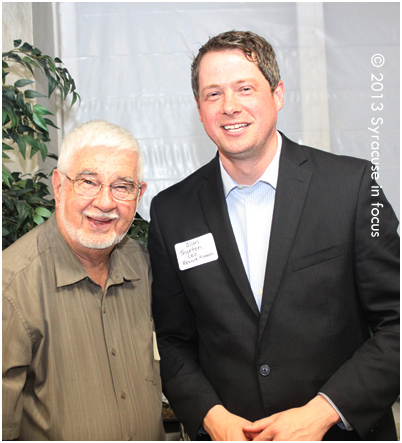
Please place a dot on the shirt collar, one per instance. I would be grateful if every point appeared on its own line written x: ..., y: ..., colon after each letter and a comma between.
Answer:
x: 69, y: 270
x: 121, y: 263
x: 270, y: 175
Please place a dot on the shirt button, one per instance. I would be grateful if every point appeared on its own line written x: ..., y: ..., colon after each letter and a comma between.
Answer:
x: 113, y: 351
x: 265, y: 370
x: 123, y: 395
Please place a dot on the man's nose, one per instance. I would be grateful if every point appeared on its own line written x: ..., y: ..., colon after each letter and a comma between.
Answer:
x: 231, y: 104
x: 104, y: 200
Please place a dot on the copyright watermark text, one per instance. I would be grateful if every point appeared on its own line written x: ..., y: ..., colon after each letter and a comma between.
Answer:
x: 376, y: 106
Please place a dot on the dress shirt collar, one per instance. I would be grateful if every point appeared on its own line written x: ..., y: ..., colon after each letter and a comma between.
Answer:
x: 69, y: 270
x: 270, y: 175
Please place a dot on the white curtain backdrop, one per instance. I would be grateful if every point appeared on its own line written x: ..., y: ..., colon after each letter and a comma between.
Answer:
x: 131, y: 63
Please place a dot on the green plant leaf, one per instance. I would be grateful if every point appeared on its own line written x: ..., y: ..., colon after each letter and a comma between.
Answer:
x: 34, y: 199
x: 29, y: 184
x: 9, y: 110
x: 6, y: 147
x: 23, y: 82
x: 51, y: 64
x: 8, y: 202
x: 22, y: 192
x: 23, y: 212
x: 26, y: 47
x: 53, y: 156
x: 50, y: 123
x: 52, y: 82
x: 25, y: 128
x: 14, y: 57
x: 39, y: 109
x: 30, y: 93
x: 38, y: 175
x: 43, y: 212
x: 38, y: 219
x: 32, y: 142
x: 36, y: 52
x: 20, y: 100
x: 42, y: 136
x: 4, y: 115
x: 38, y: 119
x: 28, y: 62
x: 28, y: 110
x: 8, y: 93
x: 22, y: 146
x: 17, y: 43
x: 20, y: 206
x: 6, y: 176
x: 75, y: 98
x: 43, y: 151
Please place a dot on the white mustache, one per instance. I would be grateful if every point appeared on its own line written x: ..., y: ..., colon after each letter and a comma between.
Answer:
x: 101, y: 215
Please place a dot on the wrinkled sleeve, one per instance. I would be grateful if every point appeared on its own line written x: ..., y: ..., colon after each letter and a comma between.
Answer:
x: 17, y: 353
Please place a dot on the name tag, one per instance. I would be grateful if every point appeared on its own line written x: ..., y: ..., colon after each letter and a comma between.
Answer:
x: 196, y: 252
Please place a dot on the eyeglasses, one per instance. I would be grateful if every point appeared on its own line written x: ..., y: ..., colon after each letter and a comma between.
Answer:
x: 90, y: 188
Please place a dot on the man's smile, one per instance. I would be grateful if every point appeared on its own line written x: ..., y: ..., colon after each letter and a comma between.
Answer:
x: 238, y: 127
x: 101, y: 219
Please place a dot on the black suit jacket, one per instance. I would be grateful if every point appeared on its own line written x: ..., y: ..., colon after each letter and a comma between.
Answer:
x: 329, y: 320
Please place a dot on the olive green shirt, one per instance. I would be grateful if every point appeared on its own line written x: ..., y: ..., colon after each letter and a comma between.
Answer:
x: 78, y: 364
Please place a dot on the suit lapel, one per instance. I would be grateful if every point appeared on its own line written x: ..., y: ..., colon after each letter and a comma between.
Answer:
x: 215, y: 210
x: 291, y: 192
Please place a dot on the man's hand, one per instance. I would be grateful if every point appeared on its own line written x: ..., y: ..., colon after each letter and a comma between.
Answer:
x: 221, y: 425
x: 308, y: 423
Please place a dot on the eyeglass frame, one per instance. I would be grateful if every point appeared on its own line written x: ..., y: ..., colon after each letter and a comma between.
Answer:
x: 101, y: 185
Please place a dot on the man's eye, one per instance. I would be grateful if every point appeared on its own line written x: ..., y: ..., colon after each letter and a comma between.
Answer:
x: 125, y: 187
x: 121, y: 187
x: 86, y: 183
x: 212, y: 95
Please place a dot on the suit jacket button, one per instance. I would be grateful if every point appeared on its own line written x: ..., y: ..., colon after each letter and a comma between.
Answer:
x: 265, y: 370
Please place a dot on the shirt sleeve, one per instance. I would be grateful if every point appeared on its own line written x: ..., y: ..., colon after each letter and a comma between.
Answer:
x: 17, y: 352
x: 345, y: 424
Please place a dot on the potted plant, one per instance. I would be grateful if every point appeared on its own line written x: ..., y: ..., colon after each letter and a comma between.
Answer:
x: 26, y: 198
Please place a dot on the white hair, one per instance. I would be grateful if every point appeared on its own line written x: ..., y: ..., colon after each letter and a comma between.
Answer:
x: 99, y: 134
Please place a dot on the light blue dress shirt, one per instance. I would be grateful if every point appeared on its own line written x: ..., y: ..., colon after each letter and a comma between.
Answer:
x: 250, y: 210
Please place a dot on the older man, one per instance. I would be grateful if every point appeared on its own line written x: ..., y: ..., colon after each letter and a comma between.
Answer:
x: 79, y: 355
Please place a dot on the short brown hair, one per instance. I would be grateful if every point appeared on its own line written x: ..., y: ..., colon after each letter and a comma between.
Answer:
x: 254, y: 47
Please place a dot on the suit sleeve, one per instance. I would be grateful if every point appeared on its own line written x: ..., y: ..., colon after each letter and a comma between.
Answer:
x: 183, y: 381
x: 368, y: 383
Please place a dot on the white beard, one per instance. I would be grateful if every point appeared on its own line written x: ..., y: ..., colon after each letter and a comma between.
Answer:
x: 86, y: 239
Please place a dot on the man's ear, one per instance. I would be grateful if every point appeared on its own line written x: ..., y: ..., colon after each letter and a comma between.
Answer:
x: 142, y: 191
x: 56, y: 183
x: 279, y: 95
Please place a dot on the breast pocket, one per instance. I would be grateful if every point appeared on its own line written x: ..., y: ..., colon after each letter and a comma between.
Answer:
x: 318, y: 257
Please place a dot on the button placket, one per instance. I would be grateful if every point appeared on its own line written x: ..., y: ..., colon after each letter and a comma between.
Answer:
x: 111, y: 339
